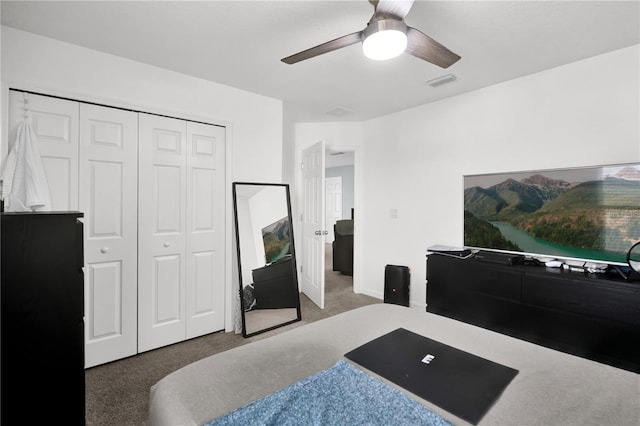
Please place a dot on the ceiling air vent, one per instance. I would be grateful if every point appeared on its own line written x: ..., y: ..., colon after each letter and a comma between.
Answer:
x: 339, y: 112
x: 443, y: 79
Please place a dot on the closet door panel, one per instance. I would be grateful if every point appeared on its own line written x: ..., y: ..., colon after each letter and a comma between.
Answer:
x: 55, y: 122
x: 104, y: 305
x: 166, y: 290
x: 205, y: 227
x: 162, y: 237
x: 108, y: 197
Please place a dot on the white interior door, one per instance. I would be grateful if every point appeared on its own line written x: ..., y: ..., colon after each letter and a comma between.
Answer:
x: 161, y: 231
x: 333, y: 189
x: 108, y: 191
x: 313, y: 222
x: 205, y: 219
x: 55, y: 122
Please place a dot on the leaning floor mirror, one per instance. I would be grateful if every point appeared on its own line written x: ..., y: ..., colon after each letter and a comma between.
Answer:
x: 269, y: 296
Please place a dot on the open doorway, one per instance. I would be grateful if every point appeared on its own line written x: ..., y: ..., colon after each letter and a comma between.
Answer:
x: 339, y: 219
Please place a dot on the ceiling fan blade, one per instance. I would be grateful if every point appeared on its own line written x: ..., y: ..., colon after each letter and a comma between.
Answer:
x: 424, y: 47
x: 327, y: 47
x: 394, y: 8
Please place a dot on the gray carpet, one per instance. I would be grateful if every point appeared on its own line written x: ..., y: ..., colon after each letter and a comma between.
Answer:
x: 118, y: 393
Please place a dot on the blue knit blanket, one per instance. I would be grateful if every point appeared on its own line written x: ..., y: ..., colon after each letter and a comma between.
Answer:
x: 340, y: 395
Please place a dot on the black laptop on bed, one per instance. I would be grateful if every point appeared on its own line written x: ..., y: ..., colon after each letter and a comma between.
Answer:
x: 462, y: 383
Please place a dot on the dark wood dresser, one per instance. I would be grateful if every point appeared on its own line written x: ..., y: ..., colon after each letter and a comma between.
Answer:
x: 42, y: 325
x: 594, y: 316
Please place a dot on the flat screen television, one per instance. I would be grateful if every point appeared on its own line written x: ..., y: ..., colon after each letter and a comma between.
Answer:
x: 589, y: 214
x: 277, y: 240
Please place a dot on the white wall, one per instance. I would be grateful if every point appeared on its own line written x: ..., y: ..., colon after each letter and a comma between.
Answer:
x: 346, y: 173
x: 288, y: 146
x: 247, y: 239
x: 37, y: 63
x: 267, y: 207
x: 584, y: 113
x: 254, y: 123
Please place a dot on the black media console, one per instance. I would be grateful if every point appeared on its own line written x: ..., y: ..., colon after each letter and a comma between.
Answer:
x: 593, y: 316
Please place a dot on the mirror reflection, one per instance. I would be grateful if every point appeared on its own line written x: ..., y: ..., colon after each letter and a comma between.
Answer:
x: 266, y: 257
x: 633, y: 257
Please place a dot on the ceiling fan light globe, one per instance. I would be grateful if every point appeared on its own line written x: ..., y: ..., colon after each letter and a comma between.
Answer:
x: 383, y: 45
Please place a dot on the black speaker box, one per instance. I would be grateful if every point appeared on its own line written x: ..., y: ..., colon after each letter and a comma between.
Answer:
x: 396, y: 285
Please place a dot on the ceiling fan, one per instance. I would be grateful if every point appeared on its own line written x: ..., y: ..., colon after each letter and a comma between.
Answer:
x: 385, y: 37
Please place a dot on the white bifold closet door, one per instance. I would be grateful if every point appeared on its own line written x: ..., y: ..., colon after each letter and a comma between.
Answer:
x: 153, y: 193
x: 181, y: 230
x: 108, y: 198
x: 90, y: 157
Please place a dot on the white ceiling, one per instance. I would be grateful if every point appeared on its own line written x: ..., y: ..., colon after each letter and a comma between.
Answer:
x: 240, y: 44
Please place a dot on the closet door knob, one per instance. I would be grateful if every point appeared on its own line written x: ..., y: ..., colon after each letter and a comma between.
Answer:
x: 104, y: 250
x: 166, y: 244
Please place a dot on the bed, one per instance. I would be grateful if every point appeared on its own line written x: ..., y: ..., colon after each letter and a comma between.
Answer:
x: 551, y: 387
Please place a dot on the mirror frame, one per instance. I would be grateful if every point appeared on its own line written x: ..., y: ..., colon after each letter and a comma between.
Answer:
x: 628, y: 272
x: 629, y: 260
x: 295, y: 284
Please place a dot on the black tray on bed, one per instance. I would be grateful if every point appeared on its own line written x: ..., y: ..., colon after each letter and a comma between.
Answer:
x: 459, y: 382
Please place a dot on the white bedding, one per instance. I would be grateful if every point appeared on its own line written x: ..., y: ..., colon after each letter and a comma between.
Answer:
x: 552, y: 388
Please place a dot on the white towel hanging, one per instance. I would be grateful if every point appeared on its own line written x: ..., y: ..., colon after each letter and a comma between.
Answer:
x: 24, y: 181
